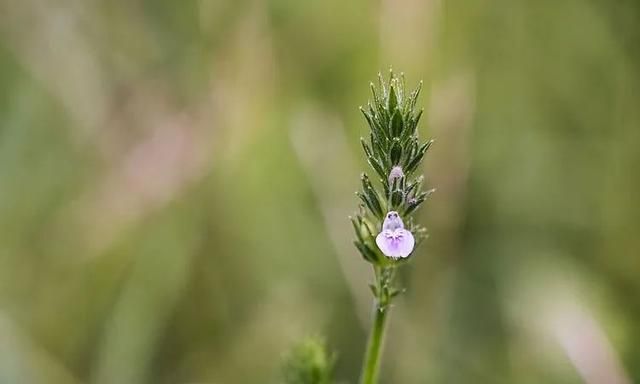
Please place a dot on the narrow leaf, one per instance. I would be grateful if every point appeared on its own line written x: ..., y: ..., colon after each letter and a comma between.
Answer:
x: 393, y: 99
x: 396, y: 152
x: 396, y: 124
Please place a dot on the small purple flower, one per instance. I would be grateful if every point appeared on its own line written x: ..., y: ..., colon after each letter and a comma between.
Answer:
x: 395, y: 241
x: 395, y: 173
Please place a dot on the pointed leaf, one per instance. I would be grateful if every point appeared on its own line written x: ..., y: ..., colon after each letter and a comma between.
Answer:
x: 375, y: 164
x: 414, y: 96
x: 365, y: 146
x: 393, y: 99
x: 374, y: 290
x: 413, y: 164
x: 396, y: 124
x: 367, y: 253
x: 396, y: 152
x: 368, y: 117
x: 396, y: 292
x: 396, y: 198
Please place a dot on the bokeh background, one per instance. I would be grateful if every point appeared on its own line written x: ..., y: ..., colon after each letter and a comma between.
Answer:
x: 176, y: 176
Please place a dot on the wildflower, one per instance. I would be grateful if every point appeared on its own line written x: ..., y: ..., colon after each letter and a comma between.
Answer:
x: 394, y: 152
x: 395, y: 241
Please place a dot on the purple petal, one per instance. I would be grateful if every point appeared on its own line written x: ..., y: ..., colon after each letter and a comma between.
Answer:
x: 395, y: 243
x: 396, y: 173
x: 392, y: 221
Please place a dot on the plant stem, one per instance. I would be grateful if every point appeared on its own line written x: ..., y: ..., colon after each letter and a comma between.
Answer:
x: 371, y: 363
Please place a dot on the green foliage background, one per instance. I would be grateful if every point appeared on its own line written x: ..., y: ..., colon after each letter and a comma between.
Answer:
x: 175, y: 181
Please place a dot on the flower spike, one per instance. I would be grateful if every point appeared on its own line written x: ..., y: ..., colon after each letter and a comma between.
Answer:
x: 394, y: 152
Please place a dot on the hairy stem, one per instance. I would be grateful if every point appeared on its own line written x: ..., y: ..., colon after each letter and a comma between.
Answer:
x: 371, y: 363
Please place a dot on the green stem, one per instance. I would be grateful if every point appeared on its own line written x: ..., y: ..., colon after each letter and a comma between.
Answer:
x: 371, y: 364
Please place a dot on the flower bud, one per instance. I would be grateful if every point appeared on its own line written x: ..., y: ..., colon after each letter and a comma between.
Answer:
x: 395, y: 173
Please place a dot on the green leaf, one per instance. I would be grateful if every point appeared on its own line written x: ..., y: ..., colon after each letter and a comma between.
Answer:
x: 416, y: 119
x: 378, y: 148
x: 366, y: 229
x: 368, y: 117
x: 366, y: 201
x: 365, y: 146
x: 396, y: 152
x: 381, y: 82
x: 375, y: 164
x: 356, y: 227
x: 414, y: 187
x: 414, y: 96
x: 376, y: 99
x: 411, y: 128
x: 413, y: 164
x: 411, y: 148
x: 415, y: 203
x: 374, y: 290
x: 375, y: 199
x: 385, y: 185
x: 396, y: 198
x: 372, y: 205
x: 373, y: 121
x: 392, y: 103
x: 395, y: 292
x: 372, y: 196
x: 396, y: 124
x: 366, y: 183
x: 367, y: 253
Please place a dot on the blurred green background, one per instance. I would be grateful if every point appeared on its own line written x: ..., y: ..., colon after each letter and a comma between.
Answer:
x: 175, y: 181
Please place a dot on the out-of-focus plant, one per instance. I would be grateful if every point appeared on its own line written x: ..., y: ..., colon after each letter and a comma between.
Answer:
x: 386, y: 234
x: 308, y: 363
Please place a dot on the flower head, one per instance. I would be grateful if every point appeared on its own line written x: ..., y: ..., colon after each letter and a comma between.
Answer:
x: 394, y: 151
x: 395, y: 241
